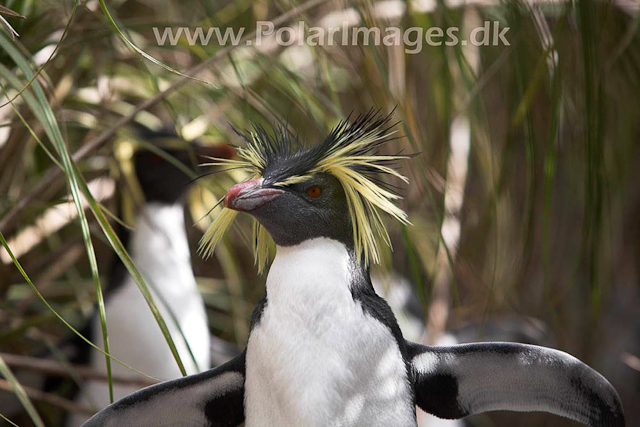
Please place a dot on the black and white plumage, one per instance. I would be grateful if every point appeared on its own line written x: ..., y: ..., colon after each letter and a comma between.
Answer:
x: 324, y: 349
x: 509, y: 376
x: 158, y: 246
x: 195, y: 400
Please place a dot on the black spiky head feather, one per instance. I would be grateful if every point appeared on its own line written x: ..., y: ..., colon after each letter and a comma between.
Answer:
x: 350, y: 153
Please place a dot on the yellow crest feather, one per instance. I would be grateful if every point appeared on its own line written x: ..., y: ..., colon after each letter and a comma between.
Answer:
x: 349, y: 153
x: 216, y: 231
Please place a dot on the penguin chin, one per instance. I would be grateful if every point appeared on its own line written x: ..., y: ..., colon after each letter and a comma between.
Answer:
x: 290, y: 224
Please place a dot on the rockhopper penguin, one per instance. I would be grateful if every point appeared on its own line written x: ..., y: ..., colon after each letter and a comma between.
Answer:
x: 158, y: 246
x: 324, y: 349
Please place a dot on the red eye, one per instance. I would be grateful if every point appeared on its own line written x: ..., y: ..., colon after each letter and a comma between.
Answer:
x: 314, y: 191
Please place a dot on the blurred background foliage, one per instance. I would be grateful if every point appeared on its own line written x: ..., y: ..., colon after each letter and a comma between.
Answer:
x: 525, y: 198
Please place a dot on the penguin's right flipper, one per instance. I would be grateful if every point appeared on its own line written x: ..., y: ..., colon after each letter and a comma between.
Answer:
x: 456, y: 381
x: 212, y: 398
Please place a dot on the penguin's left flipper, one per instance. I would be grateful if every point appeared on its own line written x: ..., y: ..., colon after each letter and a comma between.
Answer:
x: 212, y: 398
x: 456, y: 381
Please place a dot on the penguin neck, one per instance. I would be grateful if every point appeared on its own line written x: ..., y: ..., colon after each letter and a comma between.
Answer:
x: 160, y: 249
x: 315, y: 273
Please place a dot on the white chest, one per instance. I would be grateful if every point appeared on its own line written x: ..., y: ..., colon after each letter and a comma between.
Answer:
x: 316, y: 357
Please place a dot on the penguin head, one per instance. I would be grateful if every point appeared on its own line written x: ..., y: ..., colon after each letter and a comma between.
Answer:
x: 330, y: 189
x: 159, y: 175
x: 316, y: 207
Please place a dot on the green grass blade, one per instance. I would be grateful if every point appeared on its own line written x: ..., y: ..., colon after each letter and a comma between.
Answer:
x: 118, y: 247
x: 49, y: 122
x: 9, y: 12
x: 78, y: 186
x: 144, y: 54
x: 35, y: 76
x: 20, y: 393
x: 55, y: 313
x: 8, y: 420
x: 29, y: 129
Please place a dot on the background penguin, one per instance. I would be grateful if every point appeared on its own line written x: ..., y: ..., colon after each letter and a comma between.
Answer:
x: 158, y: 246
x: 324, y: 349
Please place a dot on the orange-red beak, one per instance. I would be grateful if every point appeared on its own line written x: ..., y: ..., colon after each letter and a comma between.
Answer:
x: 249, y: 195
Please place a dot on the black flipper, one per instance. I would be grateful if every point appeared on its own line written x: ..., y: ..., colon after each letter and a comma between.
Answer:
x: 212, y: 398
x: 456, y: 381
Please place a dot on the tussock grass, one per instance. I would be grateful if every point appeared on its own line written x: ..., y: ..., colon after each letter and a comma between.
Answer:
x: 542, y: 223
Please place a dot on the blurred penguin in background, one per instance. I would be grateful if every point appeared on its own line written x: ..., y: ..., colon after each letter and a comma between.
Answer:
x: 159, y: 248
